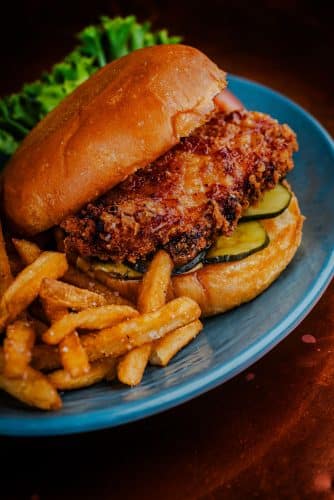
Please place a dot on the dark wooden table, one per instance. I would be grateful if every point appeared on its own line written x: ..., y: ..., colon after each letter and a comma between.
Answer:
x: 269, y: 432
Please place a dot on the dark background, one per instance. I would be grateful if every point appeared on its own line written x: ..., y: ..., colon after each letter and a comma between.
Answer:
x: 269, y: 438
x: 286, y: 44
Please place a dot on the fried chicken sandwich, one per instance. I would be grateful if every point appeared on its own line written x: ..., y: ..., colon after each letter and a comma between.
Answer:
x: 140, y: 157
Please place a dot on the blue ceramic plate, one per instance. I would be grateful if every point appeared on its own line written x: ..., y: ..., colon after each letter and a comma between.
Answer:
x: 231, y: 342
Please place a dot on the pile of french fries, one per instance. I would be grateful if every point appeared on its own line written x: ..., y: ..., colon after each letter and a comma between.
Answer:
x: 64, y: 329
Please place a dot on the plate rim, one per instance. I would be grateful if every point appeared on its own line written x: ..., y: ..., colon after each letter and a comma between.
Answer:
x: 28, y: 425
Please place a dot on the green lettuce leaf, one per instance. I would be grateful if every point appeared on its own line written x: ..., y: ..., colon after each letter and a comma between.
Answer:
x: 98, y: 45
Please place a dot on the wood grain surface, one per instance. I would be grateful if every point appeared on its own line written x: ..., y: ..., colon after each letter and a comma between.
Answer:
x: 269, y: 432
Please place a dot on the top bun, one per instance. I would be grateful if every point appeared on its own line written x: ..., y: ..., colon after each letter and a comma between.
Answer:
x: 122, y: 118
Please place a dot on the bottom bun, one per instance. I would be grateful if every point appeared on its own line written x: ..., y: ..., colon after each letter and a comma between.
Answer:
x: 219, y: 287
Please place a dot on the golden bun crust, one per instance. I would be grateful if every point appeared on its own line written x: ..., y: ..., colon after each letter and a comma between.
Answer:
x: 125, y: 116
x: 219, y: 287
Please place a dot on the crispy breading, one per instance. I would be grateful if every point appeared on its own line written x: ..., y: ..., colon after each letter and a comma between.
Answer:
x: 185, y: 198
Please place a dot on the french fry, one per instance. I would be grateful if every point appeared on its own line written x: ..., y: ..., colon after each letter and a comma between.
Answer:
x: 99, y: 370
x: 140, y: 330
x: 53, y: 311
x: 126, y: 288
x: 158, y: 333
x: 131, y: 367
x: 47, y: 358
x: 152, y: 296
x: 33, y: 389
x: 5, y: 272
x: 88, y: 282
x: 19, y: 341
x: 164, y: 349
x: 170, y: 292
x: 154, y: 286
x: 90, y: 319
x: 70, y: 296
x: 73, y: 356
x: 26, y: 285
x: 120, y: 339
x: 27, y: 250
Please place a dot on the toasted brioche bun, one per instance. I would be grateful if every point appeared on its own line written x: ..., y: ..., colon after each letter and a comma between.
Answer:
x: 219, y: 287
x: 122, y: 118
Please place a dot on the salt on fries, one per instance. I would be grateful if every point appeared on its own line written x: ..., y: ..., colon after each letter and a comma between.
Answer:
x: 87, y: 281
x: 131, y: 367
x: 135, y: 332
x: 152, y: 296
x: 71, y: 296
x: 18, y: 344
x: 165, y: 348
x: 33, y: 388
x: 73, y: 356
x: 68, y: 328
x: 99, y: 370
x: 90, y: 319
x: 24, y: 289
x: 29, y: 251
x: 154, y: 286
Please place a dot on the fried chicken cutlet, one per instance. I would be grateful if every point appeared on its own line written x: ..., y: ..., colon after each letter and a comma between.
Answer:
x: 192, y: 193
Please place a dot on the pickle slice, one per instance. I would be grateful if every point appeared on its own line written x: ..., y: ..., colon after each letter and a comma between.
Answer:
x: 193, y: 265
x: 118, y: 270
x: 247, y: 238
x: 273, y: 203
